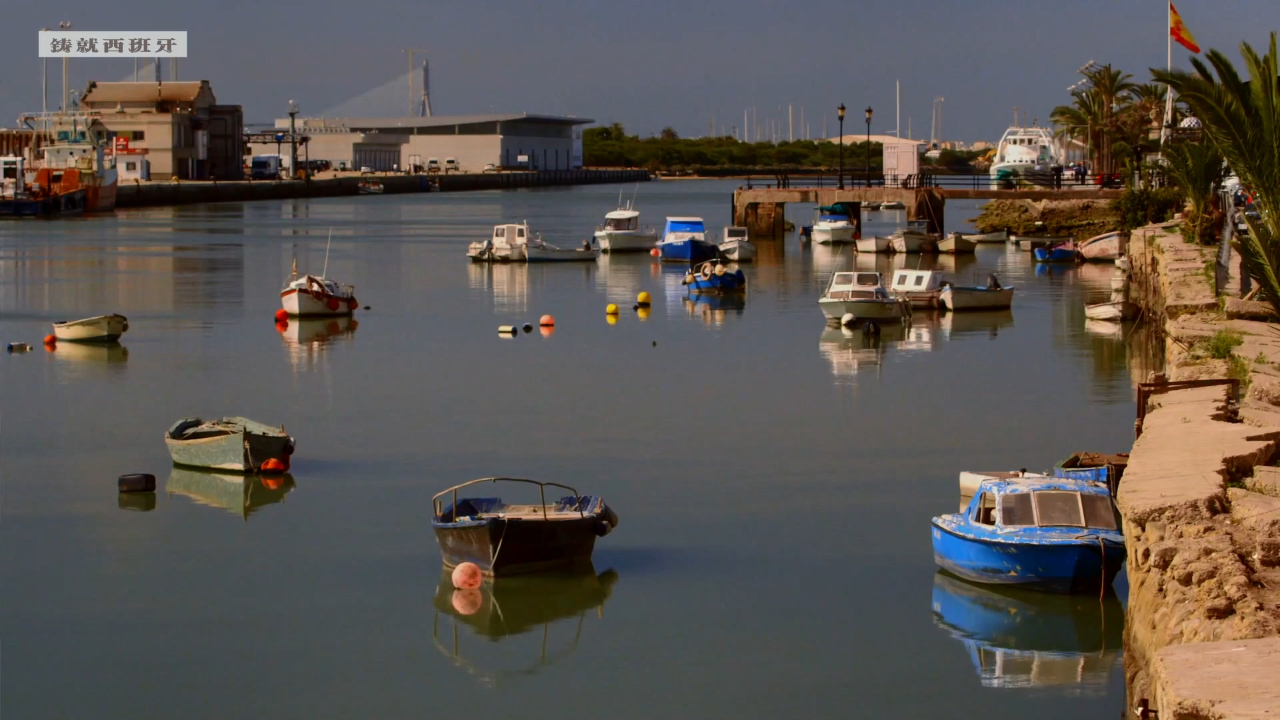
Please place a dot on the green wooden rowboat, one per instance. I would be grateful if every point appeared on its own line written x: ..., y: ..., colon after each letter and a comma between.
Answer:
x: 233, y: 443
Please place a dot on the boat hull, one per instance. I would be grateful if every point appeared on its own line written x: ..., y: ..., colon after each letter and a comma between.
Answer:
x: 238, y: 452
x: 692, y: 251
x: 1062, y: 567
x: 535, y: 254
x: 1113, y: 311
x: 832, y: 235
x: 912, y: 243
x: 874, y: 244
x: 1105, y: 247
x: 59, y: 205
x: 862, y: 309
x: 300, y: 303
x: 100, y: 193
x: 729, y: 282
x: 104, y: 328
x: 738, y: 250
x: 502, y: 547
x: 960, y: 298
x: 955, y: 244
x: 626, y: 241
x: 1055, y: 255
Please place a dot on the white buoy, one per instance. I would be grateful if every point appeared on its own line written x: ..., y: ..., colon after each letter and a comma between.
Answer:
x: 847, y: 319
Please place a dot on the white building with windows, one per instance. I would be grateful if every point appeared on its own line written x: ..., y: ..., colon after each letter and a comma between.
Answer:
x: 536, y: 142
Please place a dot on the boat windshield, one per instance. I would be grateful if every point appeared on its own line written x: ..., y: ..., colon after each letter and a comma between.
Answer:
x: 621, y: 223
x: 736, y: 233
x: 1058, y: 508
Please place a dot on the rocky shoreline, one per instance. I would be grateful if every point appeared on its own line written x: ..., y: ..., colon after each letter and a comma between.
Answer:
x: 1081, y: 218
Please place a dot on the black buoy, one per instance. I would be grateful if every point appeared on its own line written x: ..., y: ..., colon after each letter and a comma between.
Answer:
x: 528, y: 328
x: 137, y: 482
x: 366, y: 307
x: 655, y: 343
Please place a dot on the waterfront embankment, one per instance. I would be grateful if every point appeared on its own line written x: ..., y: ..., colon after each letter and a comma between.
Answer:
x: 1200, y: 502
x: 1081, y: 218
x: 149, y: 194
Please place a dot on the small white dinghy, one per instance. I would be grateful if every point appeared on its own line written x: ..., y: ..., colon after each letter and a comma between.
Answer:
x: 956, y: 243
x: 101, y: 328
x: 873, y: 244
x: 736, y: 246
x: 538, y: 251
x: 1115, y: 311
x: 991, y: 297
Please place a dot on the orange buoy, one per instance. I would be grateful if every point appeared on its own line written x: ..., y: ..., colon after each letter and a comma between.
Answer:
x: 272, y: 465
x: 50, y: 340
x: 467, y: 576
x: 654, y: 252
x: 273, y: 483
x: 352, y: 304
x: 282, y: 326
x: 333, y: 304
x: 547, y: 321
x: 547, y: 331
x: 282, y: 314
x: 467, y: 602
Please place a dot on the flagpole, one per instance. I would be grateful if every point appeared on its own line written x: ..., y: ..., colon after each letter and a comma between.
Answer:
x: 1168, y: 91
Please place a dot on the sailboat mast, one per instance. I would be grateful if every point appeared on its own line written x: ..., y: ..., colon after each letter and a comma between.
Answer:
x: 325, y: 273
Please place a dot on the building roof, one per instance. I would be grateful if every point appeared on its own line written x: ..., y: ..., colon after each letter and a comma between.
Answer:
x: 433, y: 121
x: 118, y: 92
x: 854, y: 138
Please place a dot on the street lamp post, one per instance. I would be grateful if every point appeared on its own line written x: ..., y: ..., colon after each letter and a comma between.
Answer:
x: 293, y: 140
x: 868, y: 146
x: 840, y: 115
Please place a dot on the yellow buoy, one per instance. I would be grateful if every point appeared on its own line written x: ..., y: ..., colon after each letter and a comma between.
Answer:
x: 643, y: 299
x: 643, y: 313
x: 611, y: 309
x: 611, y: 318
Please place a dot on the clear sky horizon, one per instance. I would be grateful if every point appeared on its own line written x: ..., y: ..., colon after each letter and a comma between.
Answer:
x: 665, y: 63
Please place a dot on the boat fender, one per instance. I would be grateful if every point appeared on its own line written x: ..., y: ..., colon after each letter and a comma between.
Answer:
x: 506, y: 329
x: 848, y: 319
x: 289, y: 447
x: 688, y: 279
x: 467, y: 576
x: 22, y: 347
x: 610, y: 515
x: 333, y: 304
x: 720, y: 270
x: 705, y: 272
x: 272, y: 465
x: 352, y: 304
x: 603, y: 528
x: 137, y: 482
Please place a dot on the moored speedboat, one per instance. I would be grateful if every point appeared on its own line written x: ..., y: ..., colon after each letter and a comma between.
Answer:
x: 991, y: 297
x: 955, y: 243
x: 504, y: 539
x: 863, y: 295
x: 685, y: 239
x: 834, y: 225
x: 506, y: 244
x: 736, y: 246
x: 1025, y: 155
x: 714, y: 277
x: 100, y: 328
x: 1104, y: 247
x: 232, y: 443
x: 921, y: 288
x: 1052, y: 534
x: 621, y: 232
x: 874, y: 244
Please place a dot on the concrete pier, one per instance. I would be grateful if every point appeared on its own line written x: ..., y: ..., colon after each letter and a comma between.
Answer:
x: 185, y: 193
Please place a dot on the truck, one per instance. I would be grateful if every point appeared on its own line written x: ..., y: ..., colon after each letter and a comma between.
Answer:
x: 268, y: 167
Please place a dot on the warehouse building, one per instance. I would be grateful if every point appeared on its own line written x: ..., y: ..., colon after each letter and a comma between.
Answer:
x: 533, y: 142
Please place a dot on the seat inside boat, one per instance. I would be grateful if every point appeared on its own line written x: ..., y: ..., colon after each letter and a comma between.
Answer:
x: 566, y: 508
x: 197, y: 429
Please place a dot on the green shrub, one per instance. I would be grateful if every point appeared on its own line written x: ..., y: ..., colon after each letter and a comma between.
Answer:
x: 1146, y: 206
x: 1222, y: 343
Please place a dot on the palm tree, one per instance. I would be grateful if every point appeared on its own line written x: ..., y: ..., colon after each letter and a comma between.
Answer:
x: 1196, y: 168
x: 1112, y: 88
x: 1148, y: 101
x: 1242, y: 120
x: 1082, y: 119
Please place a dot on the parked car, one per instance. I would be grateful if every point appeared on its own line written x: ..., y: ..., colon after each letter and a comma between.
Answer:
x: 490, y: 168
x: 451, y: 165
x: 433, y: 165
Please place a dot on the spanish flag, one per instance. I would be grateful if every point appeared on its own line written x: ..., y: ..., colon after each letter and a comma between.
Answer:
x: 1179, y: 32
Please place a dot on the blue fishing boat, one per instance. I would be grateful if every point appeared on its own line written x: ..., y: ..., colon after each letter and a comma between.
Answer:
x: 713, y: 277
x: 684, y: 238
x: 1052, y: 534
x: 1063, y: 253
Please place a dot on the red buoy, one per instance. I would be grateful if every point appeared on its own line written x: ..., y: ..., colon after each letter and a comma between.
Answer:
x: 282, y: 314
x: 467, y: 576
x: 272, y: 465
x: 282, y: 326
x: 352, y: 304
x: 333, y: 304
x: 50, y: 340
x: 547, y: 321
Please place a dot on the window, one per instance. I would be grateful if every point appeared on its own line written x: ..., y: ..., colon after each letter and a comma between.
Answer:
x: 868, y: 280
x: 984, y: 510
x: 919, y: 280
x: 902, y: 279
x: 499, y: 232
x: 1058, y: 508
x: 843, y: 279
x: 139, y: 135
x: 131, y: 166
x: 519, y: 232
x: 1016, y: 510
x: 1098, y: 512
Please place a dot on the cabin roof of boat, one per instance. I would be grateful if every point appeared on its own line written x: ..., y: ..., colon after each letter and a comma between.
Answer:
x: 1031, y: 483
x: 916, y: 280
x: 621, y: 214
x: 856, y: 279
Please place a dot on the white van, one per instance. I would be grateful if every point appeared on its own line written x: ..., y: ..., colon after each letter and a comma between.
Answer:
x: 451, y: 165
x: 433, y: 165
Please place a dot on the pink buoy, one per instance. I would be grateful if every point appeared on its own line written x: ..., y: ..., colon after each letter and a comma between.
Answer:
x: 467, y: 576
x: 467, y: 602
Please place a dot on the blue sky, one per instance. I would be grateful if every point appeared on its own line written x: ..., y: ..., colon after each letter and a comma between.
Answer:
x: 647, y: 65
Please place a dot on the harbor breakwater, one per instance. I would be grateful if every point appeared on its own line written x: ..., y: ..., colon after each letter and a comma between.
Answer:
x: 1200, y: 500
x: 150, y: 194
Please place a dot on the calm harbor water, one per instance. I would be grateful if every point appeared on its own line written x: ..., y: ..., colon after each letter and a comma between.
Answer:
x: 775, y: 478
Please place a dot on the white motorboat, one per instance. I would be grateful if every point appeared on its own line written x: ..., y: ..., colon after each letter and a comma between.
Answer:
x: 991, y: 237
x: 369, y: 187
x: 874, y: 244
x: 736, y: 246
x: 1025, y: 154
x: 921, y: 288
x: 507, y: 244
x: 869, y: 205
x: 909, y: 241
x: 621, y: 232
x: 990, y: 297
x: 863, y: 295
x: 100, y: 328
x: 832, y: 228
x: 1114, y: 311
x: 955, y: 243
x: 316, y: 295
x: 538, y: 251
x: 893, y: 205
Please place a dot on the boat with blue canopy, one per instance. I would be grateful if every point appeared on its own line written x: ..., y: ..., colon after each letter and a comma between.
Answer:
x: 685, y: 239
x: 837, y: 224
x: 714, y: 277
x: 1052, y: 534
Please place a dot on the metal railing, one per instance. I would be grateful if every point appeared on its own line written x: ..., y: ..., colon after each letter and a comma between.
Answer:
x: 955, y: 181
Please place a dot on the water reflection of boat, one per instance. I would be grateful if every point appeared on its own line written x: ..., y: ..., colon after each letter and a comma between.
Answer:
x: 853, y: 350
x: 318, y: 331
x: 714, y: 309
x: 1020, y: 638
x: 508, y: 282
x: 976, y: 322
x: 240, y: 494
x: 108, y: 352
x: 506, y: 608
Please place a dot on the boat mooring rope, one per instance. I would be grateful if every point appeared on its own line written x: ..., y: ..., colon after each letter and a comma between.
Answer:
x: 493, y: 559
